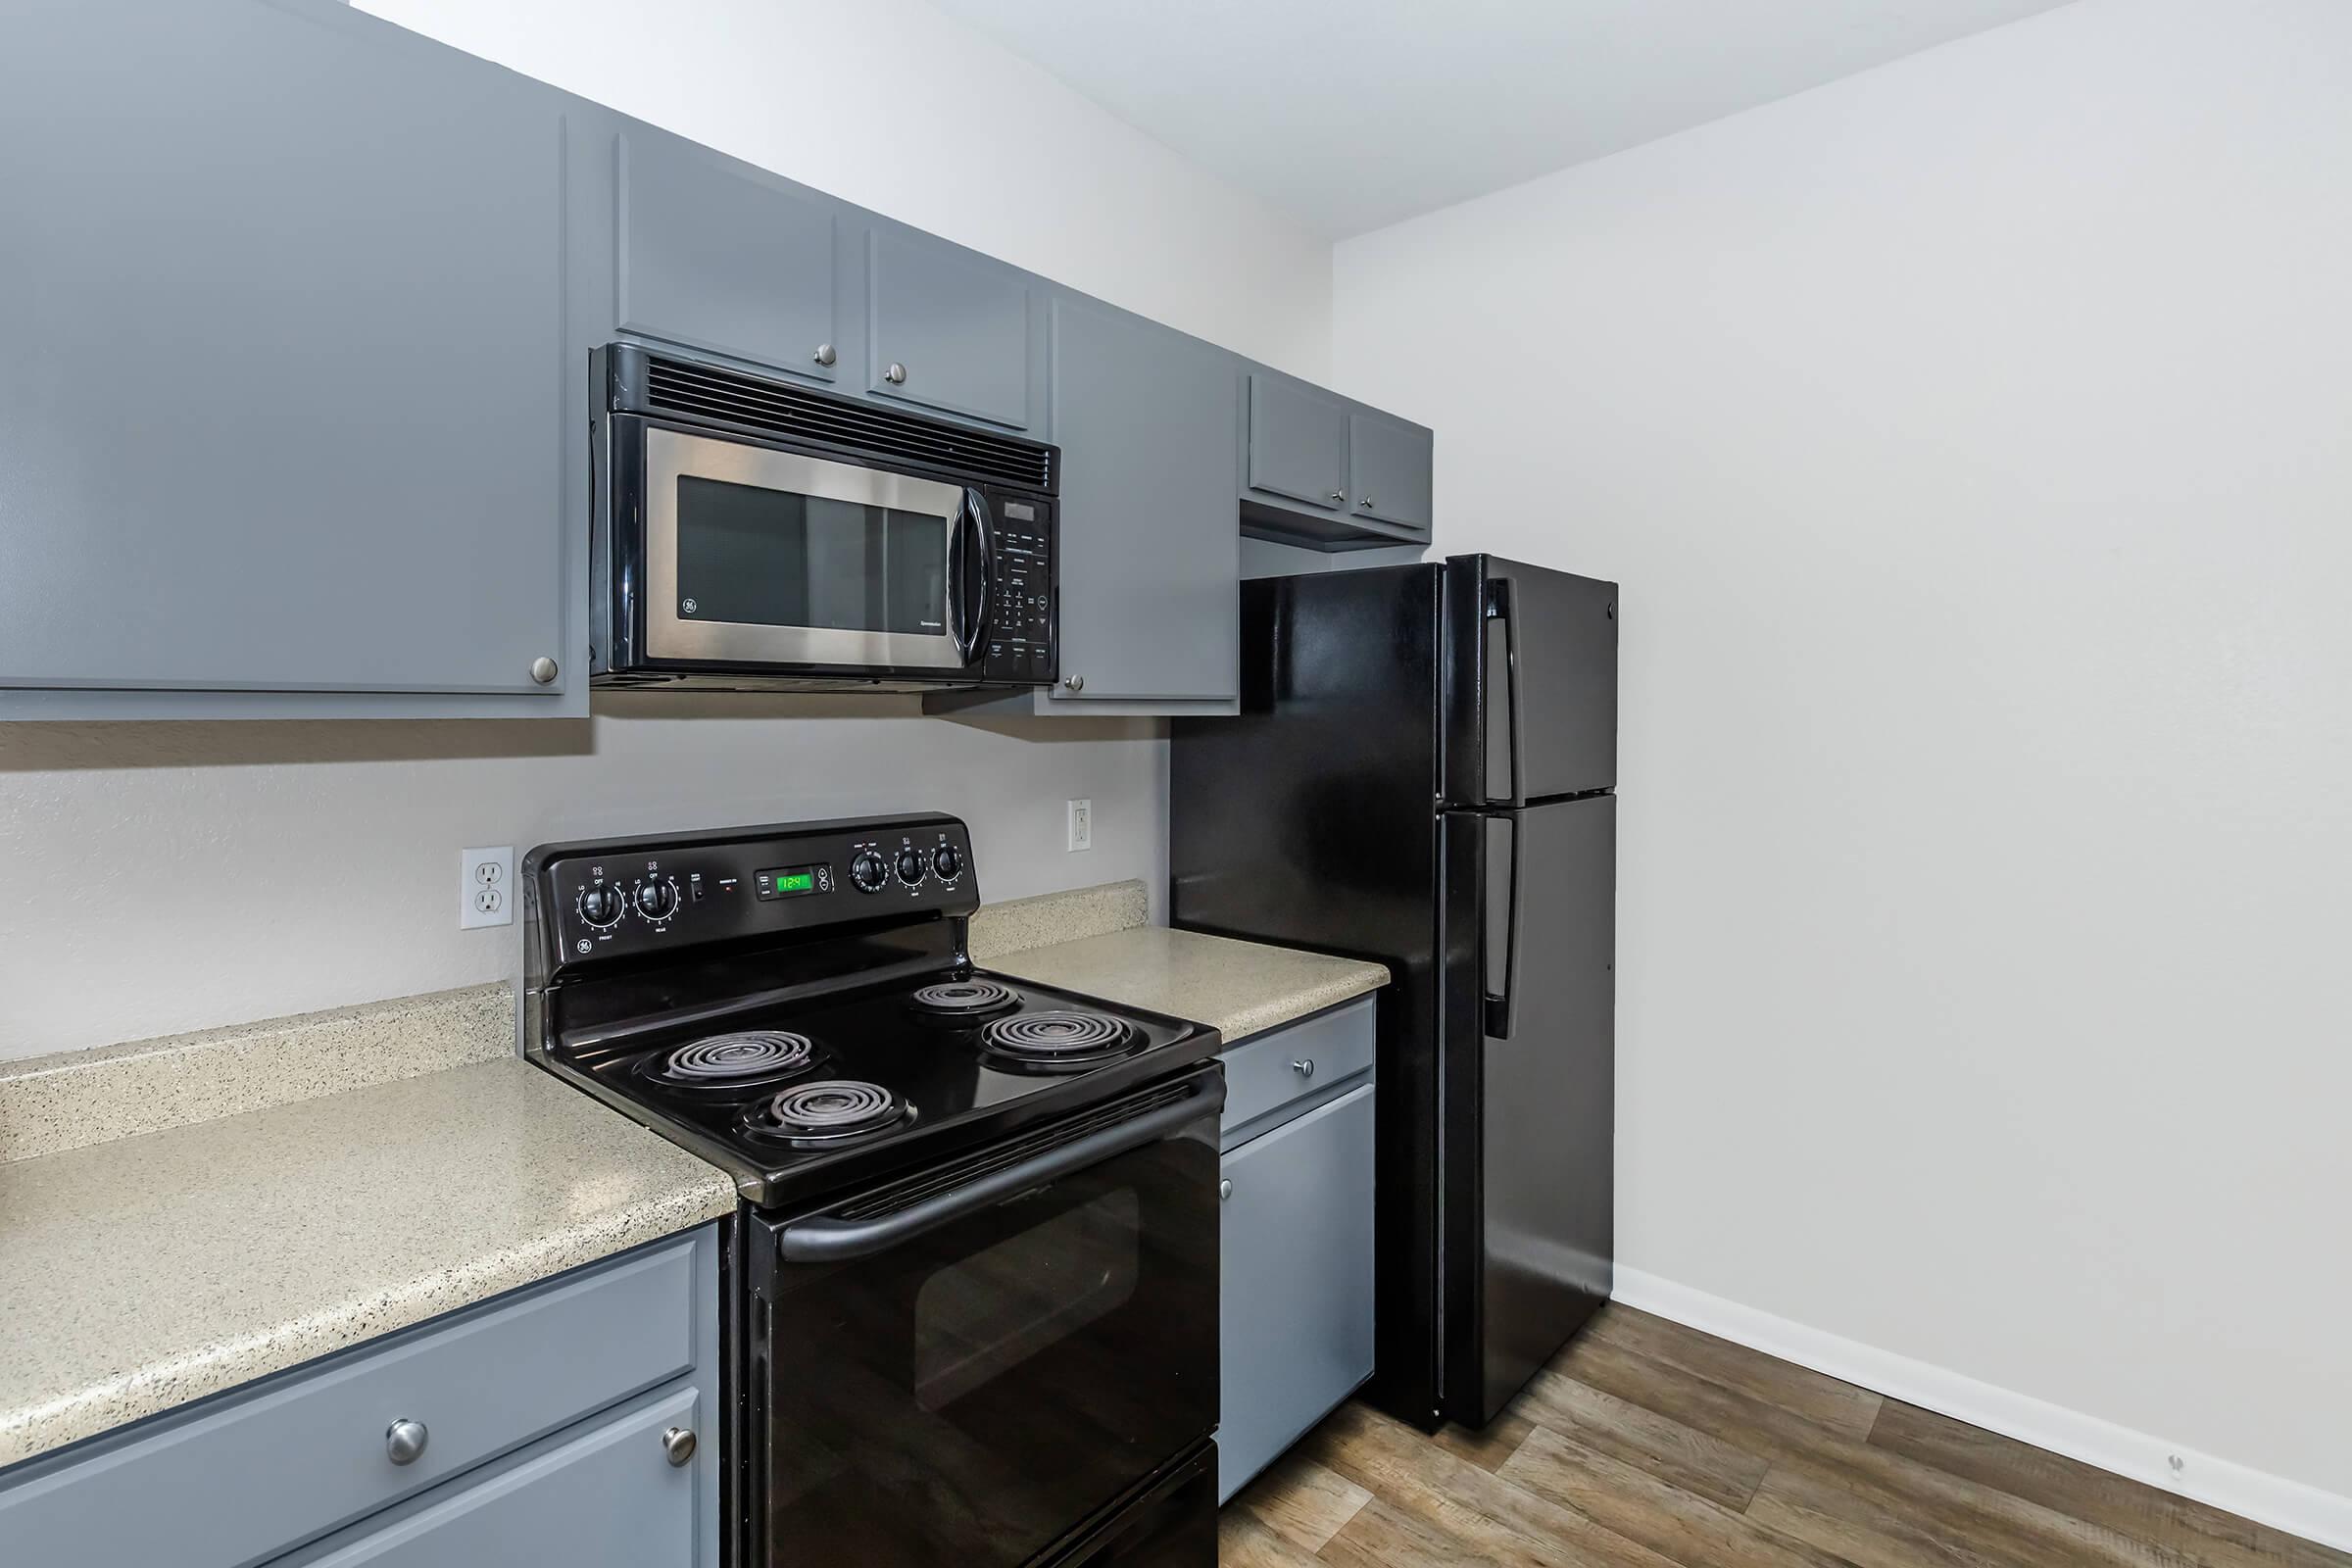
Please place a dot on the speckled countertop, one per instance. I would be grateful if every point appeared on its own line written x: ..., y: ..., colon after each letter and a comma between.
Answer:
x: 1242, y: 988
x: 142, y: 1273
x: 144, y: 1265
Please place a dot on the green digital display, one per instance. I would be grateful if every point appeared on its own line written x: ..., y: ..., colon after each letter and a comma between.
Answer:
x: 793, y: 881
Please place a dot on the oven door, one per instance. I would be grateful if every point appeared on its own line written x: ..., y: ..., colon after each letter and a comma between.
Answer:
x: 759, y: 556
x: 979, y: 1366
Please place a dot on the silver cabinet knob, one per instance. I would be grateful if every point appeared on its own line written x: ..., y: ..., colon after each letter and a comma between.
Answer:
x: 896, y: 376
x: 1305, y: 1067
x: 824, y: 354
x: 543, y: 670
x: 1339, y: 495
x: 1224, y: 1191
x: 1366, y: 502
x: 1076, y: 683
x: 403, y: 1442
x: 677, y: 1445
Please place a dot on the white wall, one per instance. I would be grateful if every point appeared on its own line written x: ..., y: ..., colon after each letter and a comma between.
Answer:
x: 1973, y: 438
x: 173, y: 876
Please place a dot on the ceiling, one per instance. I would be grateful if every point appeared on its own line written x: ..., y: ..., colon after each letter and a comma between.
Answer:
x: 1353, y: 113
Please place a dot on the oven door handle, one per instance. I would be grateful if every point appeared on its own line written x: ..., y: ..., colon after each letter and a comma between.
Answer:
x: 967, y: 611
x: 826, y: 1238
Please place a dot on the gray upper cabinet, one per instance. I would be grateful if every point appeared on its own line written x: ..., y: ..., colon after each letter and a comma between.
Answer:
x: 1297, y: 443
x: 1148, y: 424
x: 720, y: 256
x: 947, y: 328
x: 281, y: 292
x: 1389, y: 468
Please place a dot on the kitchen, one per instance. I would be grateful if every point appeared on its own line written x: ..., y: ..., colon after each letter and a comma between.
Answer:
x: 237, y: 858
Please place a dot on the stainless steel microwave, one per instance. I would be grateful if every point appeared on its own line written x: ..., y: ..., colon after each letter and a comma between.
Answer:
x: 754, y: 534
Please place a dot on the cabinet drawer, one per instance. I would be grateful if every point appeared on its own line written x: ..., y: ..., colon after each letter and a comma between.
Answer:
x: 308, y: 1452
x: 1295, y: 1309
x: 605, y: 1499
x: 1263, y: 1078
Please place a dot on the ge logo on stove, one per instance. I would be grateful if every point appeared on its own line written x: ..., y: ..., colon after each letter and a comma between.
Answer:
x: 582, y: 946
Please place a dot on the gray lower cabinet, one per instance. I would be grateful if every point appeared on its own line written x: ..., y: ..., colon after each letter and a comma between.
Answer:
x: 717, y: 255
x: 597, y: 1499
x: 947, y: 328
x: 280, y: 293
x: 529, y: 1428
x: 1146, y: 418
x: 1296, y: 1314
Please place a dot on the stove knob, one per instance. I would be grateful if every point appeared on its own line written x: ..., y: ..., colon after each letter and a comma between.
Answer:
x: 910, y: 865
x: 868, y: 871
x: 947, y: 861
x: 657, y: 899
x: 600, y: 905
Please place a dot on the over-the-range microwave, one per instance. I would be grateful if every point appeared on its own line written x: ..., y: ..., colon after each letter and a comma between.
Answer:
x: 753, y: 534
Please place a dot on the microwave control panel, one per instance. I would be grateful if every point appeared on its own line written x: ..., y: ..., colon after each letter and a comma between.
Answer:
x: 1020, y: 593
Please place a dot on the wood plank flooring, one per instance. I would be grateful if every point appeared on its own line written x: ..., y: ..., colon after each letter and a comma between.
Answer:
x: 1647, y: 1445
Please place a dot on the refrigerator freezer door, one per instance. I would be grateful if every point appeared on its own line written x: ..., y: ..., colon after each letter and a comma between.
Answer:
x: 1531, y: 683
x: 1530, y: 1116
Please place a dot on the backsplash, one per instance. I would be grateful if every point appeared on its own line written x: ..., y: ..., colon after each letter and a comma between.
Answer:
x: 256, y: 869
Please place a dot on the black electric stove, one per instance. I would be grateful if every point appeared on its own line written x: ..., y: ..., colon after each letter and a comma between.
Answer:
x: 974, y: 1279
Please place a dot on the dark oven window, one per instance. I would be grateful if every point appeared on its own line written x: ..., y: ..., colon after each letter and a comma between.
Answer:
x: 776, y: 558
x: 974, y: 1394
x: 978, y: 1320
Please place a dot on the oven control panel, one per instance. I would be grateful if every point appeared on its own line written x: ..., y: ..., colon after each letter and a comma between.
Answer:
x: 641, y: 896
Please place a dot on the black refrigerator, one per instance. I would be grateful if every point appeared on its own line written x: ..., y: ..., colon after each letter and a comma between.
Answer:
x: 1424, y: 772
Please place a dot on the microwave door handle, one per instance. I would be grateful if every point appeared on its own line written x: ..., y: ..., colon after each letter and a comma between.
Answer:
x: 828, y: 1239
x: 971, y: 568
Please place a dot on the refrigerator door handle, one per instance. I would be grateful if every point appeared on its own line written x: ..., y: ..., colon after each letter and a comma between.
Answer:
x: 1500, y: 993
x: 1499, y: 611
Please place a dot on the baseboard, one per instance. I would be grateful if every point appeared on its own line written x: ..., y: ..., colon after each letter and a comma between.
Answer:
x: 2290, y: 1505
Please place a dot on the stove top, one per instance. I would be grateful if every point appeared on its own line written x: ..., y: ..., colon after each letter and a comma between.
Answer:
x: 797, y: 1004
x: 805, y: 1097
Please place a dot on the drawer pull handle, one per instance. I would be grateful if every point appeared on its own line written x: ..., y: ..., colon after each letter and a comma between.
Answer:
x: 1224, y: 1191
x: 677, y: 1445
x: 1305, y: 1067
x: 403, y: 1442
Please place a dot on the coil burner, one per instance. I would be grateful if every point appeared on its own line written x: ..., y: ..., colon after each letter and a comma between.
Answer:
x: 1060, y: 1041
x: 733, y: 1061
x: 828, y: 1113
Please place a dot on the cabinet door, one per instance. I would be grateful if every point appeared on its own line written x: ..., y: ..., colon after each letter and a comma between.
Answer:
x: 281, y: 292
x: 1296, y: 1313
x: 714, y: 255
x: 1298, y: 442
x: 1389, y: 468
x: 949, y: 329
x: 1151, y: 552
x: 608, y: 1497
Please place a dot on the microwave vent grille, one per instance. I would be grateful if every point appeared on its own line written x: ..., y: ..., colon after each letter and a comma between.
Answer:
x: 753, y: 403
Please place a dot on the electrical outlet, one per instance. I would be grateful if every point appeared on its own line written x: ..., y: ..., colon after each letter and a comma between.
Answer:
x: 486, y: 886
x: 1082, y: 825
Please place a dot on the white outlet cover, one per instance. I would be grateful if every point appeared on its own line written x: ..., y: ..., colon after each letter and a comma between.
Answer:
x: 1082, y: 825
x: 486, y: 886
